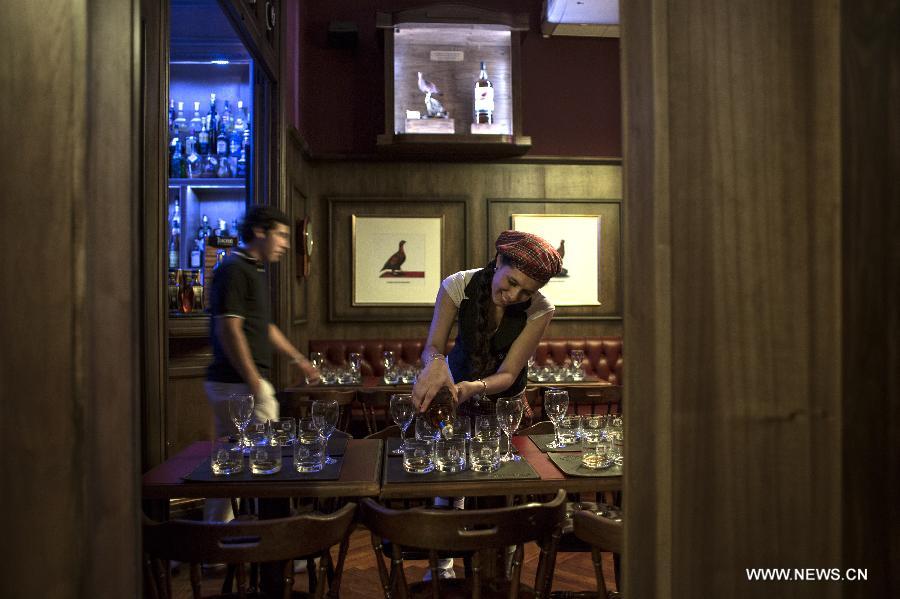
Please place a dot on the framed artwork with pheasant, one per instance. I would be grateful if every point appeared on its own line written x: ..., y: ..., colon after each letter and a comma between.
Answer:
x: 396, y: 260
x: 587, y: 234
x: 388, y: 255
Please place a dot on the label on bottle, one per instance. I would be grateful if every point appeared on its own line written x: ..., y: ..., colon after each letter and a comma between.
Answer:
x: 195, y: 258
x: 173, y: 259
x: 484, y: 99
x: 221, y: 147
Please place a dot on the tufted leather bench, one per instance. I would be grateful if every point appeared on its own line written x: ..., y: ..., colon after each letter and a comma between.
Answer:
x: 603, y: 354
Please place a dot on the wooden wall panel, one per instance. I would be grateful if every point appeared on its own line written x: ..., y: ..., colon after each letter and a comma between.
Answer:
x: 870, y: 258
x: 70, y: 375
x: 478, y: 182
x: 759, y: 268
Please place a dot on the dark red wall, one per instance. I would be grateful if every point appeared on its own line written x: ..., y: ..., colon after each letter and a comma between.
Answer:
x: 570, y: 86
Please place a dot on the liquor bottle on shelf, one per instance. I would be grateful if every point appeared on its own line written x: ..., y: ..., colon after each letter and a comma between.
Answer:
x: 171, y: 113
x: 197, y: 291
x: 192, y: 159
x: 484, y: 98
x: 240, y: 123
x: 196, y: 123
x: 210, y: 165
x: 221, y: 142
x: 203, y: 138
x: 212, y: 117
x: 185, y: 293
x: 240, y: 169
x: 442, y: 411
x: 233, y: 229
x: 175, y: 238
x: 204, y: 224
x: 224, y: 171
x: 227, y: 119
x: 176, y: 164
x: 180, y: 123
x: 172, y: 290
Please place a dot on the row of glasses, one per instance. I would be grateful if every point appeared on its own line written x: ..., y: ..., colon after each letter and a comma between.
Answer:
x: 309, y: 444
x: 572, y: 371
x: 264, y: 443
x: 602, y: 439
x: 421, y: 456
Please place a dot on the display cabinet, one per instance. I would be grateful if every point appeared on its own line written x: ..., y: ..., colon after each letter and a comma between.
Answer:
x: 452, y: 82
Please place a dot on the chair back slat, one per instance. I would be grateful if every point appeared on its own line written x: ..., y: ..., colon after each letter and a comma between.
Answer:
x: 247, y: 541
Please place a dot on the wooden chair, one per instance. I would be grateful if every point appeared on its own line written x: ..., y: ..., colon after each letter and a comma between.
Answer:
x: 385, y: 433
x: 298, y: 406
x: 465, y: 530
x: 375, y: 410
x: 598, y: 400
x: 545, y: 427
x: 244, y: 541
x: 603, y: 534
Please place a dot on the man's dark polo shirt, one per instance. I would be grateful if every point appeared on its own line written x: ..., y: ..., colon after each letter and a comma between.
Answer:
x: 240, y: 288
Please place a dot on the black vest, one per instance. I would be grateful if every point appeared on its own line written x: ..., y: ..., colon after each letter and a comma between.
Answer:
x: 511, y: 325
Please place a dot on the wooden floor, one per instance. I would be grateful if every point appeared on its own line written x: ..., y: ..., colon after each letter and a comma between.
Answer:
x: 574, y: 572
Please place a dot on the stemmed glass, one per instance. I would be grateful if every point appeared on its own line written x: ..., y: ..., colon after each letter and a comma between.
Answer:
x: 403, y: 410
x: 325, y: 415
x: 355, y: 366
x: 509, y: 415
x: 577, y: 368
x: 240, y: 408
x: 556, y: 403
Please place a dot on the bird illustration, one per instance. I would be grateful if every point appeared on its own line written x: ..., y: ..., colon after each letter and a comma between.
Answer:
x: 427, y: 87
x: 561, y: 250
x: 396, y: 260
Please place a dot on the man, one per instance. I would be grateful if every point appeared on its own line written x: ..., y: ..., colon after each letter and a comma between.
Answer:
x: 241, y: 330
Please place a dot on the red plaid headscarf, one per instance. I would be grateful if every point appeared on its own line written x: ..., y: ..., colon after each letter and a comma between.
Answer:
x: 531, y: 254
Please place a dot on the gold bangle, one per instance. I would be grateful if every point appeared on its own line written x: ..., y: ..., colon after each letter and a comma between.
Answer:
x: 438, y: 356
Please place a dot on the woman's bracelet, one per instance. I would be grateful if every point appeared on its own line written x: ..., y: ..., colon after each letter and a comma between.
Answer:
x: 438, y: 357
x: 483, y: 386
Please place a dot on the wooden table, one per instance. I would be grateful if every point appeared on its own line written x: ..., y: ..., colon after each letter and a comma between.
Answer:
x: 360, y: 477
x: 551, y: 480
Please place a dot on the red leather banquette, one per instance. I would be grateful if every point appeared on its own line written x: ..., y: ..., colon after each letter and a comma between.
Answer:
x: 603, y: 355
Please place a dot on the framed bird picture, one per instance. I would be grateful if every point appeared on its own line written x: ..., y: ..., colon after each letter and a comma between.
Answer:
x: 387, y: 256
x: 587, y: 234
x: 396, y: 260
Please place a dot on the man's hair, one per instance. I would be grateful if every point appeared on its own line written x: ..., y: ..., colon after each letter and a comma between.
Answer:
x: 263, y: 217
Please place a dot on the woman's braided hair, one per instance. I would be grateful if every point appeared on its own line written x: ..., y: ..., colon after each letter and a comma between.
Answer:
x: 482, y: 361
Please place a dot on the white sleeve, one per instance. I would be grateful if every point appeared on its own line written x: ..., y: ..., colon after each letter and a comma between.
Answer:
x: 455, y: 287
x: 540, y: 305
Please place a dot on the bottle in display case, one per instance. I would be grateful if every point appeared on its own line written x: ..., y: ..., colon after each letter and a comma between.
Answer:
x: 484, y: 98
x: 175, y: 237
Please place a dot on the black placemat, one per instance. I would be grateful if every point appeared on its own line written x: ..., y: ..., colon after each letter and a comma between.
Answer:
x: 203, y: 473
x: 570, y: 463
x: 392, y: 443
x: 336, y: 446
x: 520, y: 470
x: 542, y: 440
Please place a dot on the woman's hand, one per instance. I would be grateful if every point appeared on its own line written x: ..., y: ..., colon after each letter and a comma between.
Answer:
x: 435, y: 375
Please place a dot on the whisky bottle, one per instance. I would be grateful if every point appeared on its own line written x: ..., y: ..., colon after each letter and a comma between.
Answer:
x: 240, y: 123
x: 175, y: 239
x: 193, y: 161
x: 203, y: 139
x: 441, y: 412
x: 240, y: 169
x: 172, y: 290
x: 197, y: 291
x: 212, y: 117
x: 196, y: 121
x: 185, y: 294
x: 221, y: 144
x: 484, y: 98
x: 226, y: 119
x: 180, y: 123
x: 176, y: 163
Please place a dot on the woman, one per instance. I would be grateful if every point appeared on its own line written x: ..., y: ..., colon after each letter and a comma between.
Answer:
x: 502, y: 316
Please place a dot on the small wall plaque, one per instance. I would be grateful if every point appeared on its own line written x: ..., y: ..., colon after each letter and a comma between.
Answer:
x: 447, y: 56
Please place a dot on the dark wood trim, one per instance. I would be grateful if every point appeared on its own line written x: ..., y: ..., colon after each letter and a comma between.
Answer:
x: 153, y: 228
